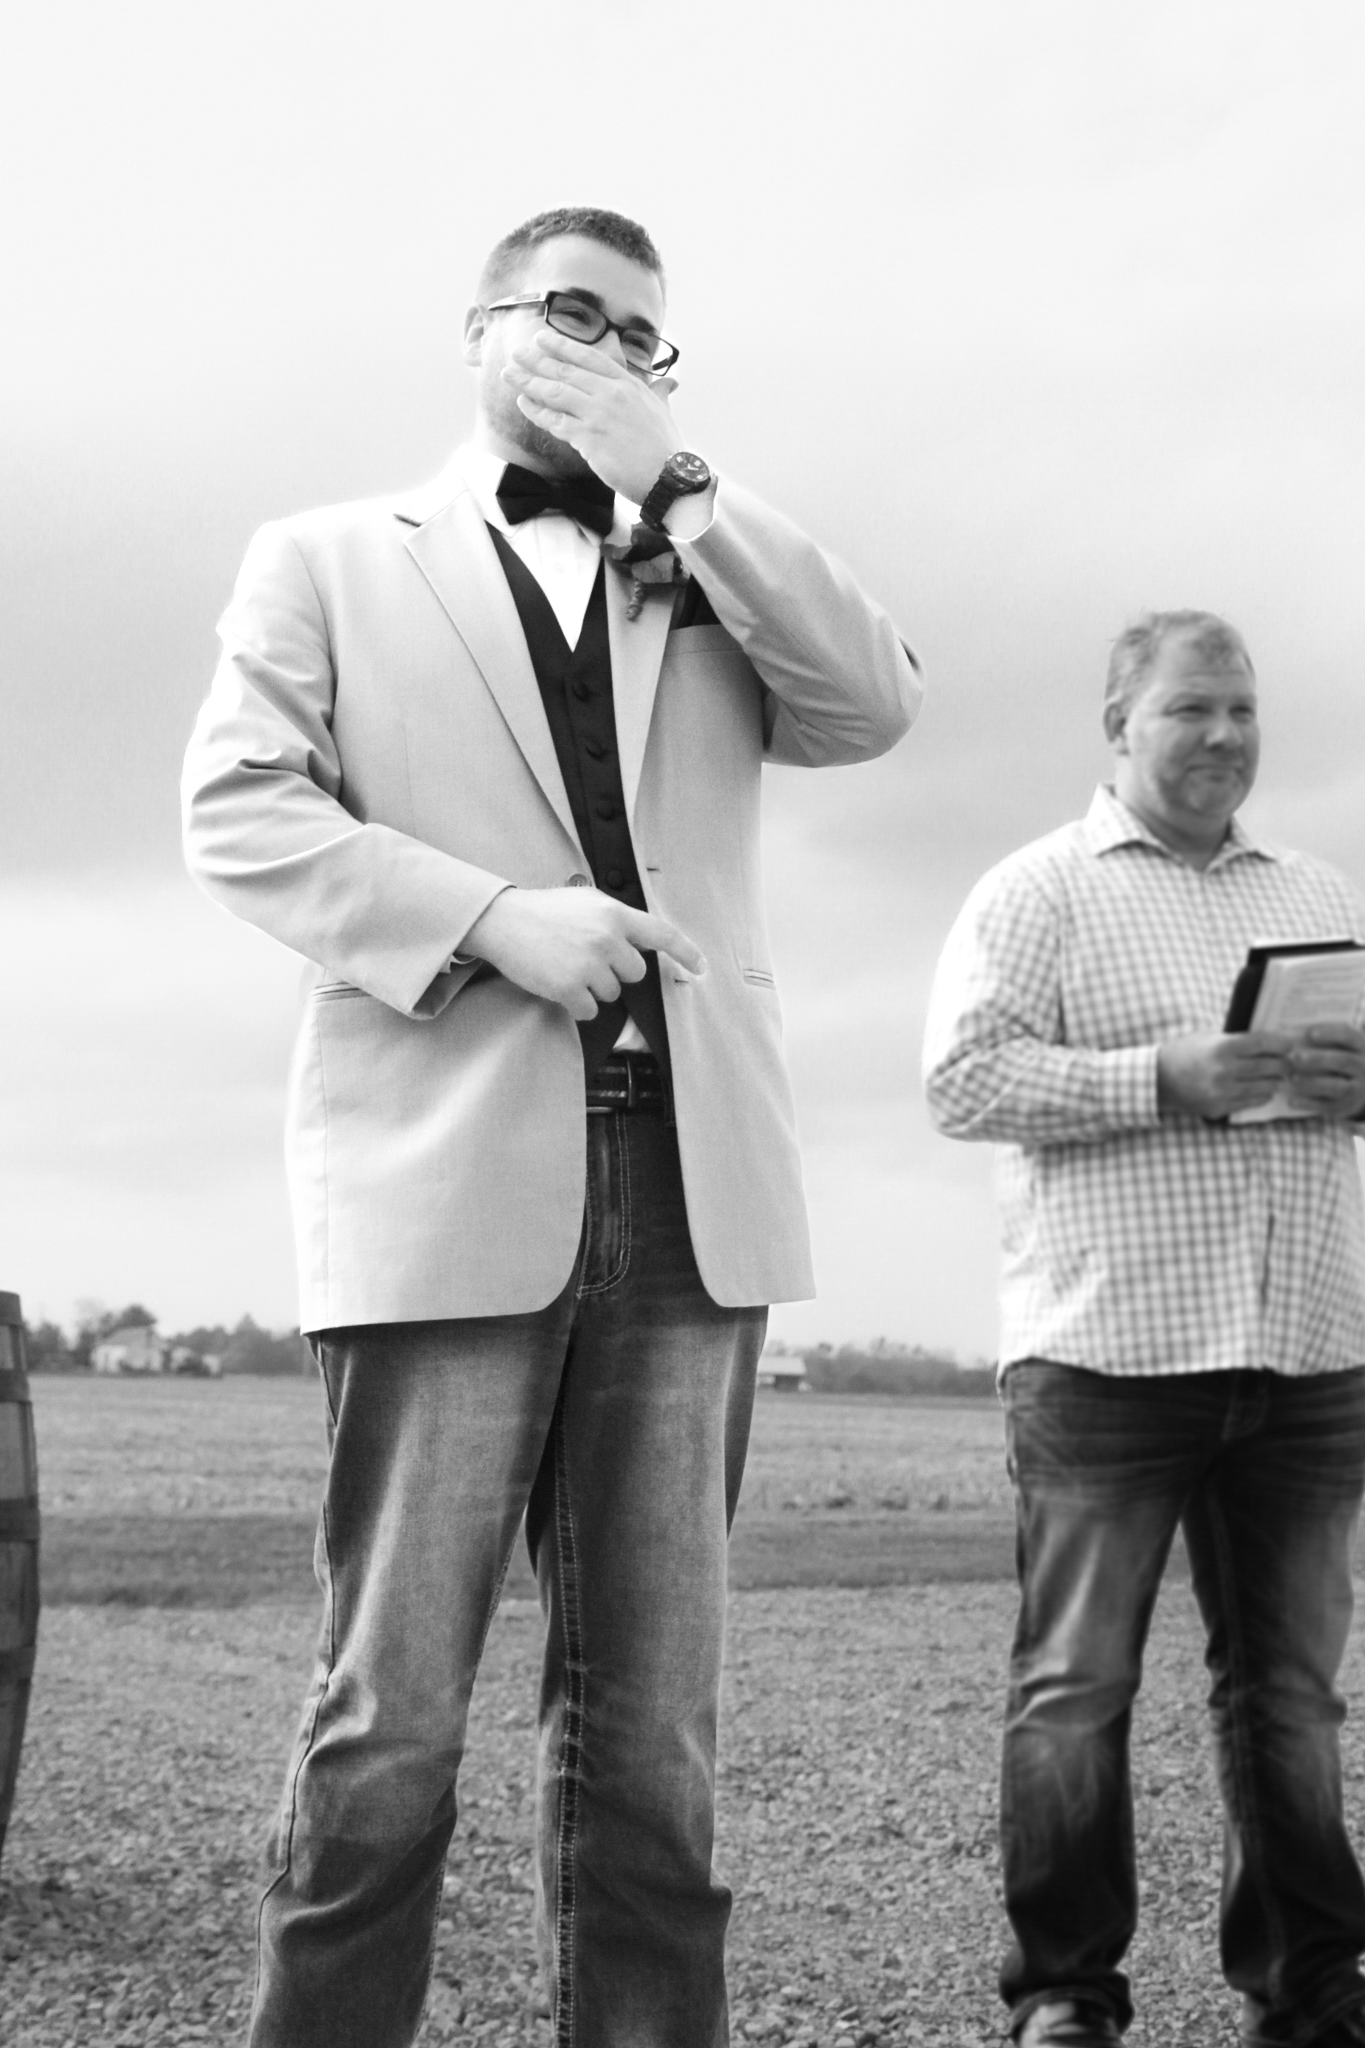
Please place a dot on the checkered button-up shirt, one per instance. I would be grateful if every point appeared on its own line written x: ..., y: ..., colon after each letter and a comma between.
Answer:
x: 1133, y: 1243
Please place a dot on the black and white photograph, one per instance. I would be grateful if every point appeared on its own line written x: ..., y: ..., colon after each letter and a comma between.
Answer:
x: 648, y: 1398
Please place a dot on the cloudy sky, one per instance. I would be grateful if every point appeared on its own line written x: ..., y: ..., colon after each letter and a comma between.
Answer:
x: 1038, y: 312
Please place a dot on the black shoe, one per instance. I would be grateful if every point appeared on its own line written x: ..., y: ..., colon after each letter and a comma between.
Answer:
x: 1088, y: 2023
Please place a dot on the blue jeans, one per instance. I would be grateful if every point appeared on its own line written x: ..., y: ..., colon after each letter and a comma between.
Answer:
x: 1264, y: 1474
x: 617, y: 1419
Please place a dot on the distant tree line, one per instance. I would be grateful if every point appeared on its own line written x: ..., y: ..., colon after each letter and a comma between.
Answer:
x: 245, y: 1348
x: 881, y: 1367
x: 248, y: 1348
x: 886, y: 1368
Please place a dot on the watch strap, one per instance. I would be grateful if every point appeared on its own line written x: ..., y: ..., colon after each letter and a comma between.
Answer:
x: 666, y: 489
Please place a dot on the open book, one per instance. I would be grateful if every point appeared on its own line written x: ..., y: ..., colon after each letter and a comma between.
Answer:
x: 1288, y: 987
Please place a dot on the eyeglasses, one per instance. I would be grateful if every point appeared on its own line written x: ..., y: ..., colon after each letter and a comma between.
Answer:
x: 646, y: 353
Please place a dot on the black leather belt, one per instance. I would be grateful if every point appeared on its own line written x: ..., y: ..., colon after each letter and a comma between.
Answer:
x: 628, y: 1082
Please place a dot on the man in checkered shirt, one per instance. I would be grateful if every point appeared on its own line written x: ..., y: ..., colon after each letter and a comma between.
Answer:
x: 1183, y: 1337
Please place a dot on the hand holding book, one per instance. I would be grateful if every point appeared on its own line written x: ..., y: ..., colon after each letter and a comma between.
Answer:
x: 1220, y: 1076
x: 1311, y: 995
x: 1327, y: 1072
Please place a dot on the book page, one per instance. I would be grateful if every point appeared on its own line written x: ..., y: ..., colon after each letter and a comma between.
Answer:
x: 1299, y: 989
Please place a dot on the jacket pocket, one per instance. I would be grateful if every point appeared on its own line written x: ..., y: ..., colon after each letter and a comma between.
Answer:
x: 759, y: 977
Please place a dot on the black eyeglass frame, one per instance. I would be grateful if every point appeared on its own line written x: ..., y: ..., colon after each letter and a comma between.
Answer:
x: 660, y: 367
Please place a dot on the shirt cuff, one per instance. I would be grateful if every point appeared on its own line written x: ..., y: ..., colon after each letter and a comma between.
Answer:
x: 1129, y: 1088
x: 687, y: 518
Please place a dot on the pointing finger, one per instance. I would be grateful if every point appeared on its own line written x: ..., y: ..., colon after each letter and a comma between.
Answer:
x: 657, y: 935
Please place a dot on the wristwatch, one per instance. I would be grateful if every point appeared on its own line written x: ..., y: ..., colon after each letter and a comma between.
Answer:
x: 681, y: 477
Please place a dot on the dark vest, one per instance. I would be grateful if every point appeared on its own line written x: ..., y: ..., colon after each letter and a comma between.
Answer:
x: 575, y: 688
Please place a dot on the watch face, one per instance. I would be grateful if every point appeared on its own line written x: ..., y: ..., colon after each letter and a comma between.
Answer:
x: 689, y: 469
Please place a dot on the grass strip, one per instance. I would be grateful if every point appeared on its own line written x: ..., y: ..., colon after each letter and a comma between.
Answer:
x: 236, y: 1560
x: 233, y: 1560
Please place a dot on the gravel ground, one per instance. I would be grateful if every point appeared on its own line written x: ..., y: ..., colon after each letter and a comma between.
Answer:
x: 856, y: 1825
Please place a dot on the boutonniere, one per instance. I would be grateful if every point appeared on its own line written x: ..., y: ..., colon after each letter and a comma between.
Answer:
x: 649, y: 557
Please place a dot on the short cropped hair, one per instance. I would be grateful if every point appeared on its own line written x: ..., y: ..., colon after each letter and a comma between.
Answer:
x: 502, y: 271
x: 1135, y: 652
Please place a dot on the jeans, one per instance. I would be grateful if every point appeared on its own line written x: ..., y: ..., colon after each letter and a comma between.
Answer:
x: 617, y: 1420
x: 1264, y: 1474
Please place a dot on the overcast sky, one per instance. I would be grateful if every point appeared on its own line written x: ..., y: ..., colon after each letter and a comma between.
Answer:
x: 1037, y: 312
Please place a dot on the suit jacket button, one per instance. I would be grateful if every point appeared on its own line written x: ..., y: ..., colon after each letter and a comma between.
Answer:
x: 580, y: 881
x: 615, y: 877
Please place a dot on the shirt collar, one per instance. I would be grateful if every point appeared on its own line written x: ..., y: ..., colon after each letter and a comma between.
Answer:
x: 1109, y: 823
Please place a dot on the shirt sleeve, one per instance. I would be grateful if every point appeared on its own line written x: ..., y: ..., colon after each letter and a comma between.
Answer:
x: 996, y: 1064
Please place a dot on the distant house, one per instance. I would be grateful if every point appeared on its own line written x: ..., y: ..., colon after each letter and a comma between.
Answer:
x: 134, y: 1348
x: 784, y: 1375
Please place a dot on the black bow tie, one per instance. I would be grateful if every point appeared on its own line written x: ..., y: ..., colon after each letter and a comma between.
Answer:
x: 522, y: 494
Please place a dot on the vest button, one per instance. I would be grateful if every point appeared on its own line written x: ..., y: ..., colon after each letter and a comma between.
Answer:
x: 604, y: 807
x: 582, y: 691
x: 615, y: 877
x: 580, y: 881
x: 595, y: 750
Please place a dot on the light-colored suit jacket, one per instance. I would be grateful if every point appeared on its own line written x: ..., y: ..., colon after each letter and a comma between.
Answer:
x: 374, y: 764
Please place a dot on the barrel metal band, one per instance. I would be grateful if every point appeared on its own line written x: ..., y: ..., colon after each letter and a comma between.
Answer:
x: 17, y: 1665
x: 13, y: 1384
x: 19, y: 1521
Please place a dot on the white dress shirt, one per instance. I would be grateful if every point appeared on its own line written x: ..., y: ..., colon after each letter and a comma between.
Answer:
x: 1136, y: 1243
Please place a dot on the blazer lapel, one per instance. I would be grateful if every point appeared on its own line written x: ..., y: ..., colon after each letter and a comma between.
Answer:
x: 637, y: 652
x: 452, y: 549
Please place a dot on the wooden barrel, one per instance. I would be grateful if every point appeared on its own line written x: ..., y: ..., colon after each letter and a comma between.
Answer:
x: 18, y: 1549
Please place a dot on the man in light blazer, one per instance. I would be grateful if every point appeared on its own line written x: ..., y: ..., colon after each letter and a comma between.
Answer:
x: 488, y: 755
